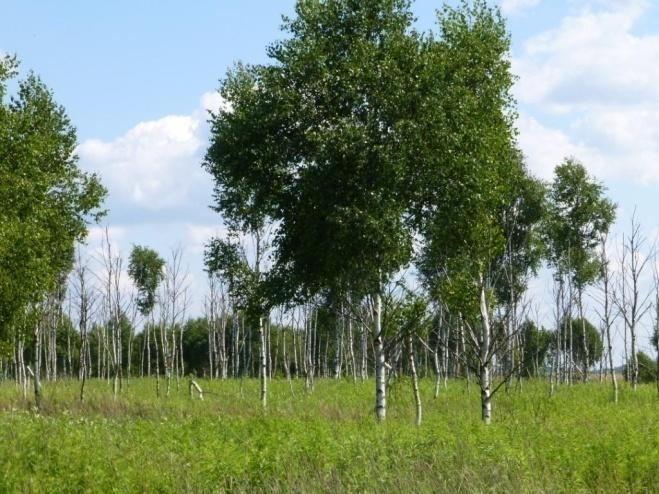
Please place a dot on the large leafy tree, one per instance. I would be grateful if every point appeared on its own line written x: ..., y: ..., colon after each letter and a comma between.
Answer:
x: 313, y: 142
x: 476, y: 205
x: 361, y: 131
x: 47, y: 200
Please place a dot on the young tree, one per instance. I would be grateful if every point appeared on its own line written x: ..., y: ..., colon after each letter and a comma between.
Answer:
x: 113, y: 308
x: 216, y: 315
x: 146, y: 269
x: 536, y: 349
x: 632, y: 300
x: 588, y: 345
x: 655, y: 335
x: 173, y: 307
x: 470, y: 180
x: 607, y: 316
x: 85, y: 301
x: 409, y: 315
x: 578, y: 217
x: 655, y: 342
x: 228, y: 260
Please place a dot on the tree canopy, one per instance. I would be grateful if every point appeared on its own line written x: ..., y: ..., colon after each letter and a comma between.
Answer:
x: 145, y: 267
x: 47, y: 200
x: 313, y: 142
x: 577, y: 216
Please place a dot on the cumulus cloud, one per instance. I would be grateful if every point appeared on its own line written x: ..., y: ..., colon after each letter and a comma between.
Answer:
x: 213, y: 101
x: 591, y: 57
x: 597, y: 76
x: 97, y: 237
x: 513, y: 7
x: 546, y: 147
x: 199, y: 235
x: 153, y: 165
x: 156, y: 164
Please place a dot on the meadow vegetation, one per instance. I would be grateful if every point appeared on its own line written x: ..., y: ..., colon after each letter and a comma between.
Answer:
x: 327, y: 440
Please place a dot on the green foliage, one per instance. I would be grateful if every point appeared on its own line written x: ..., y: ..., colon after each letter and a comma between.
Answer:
x: 593, y: 340
x: 145, y: 268
x: 577, y: 441
x: 537, y: 344
x: 312, y: 141
x: 578, y: 216
x: 522, y: 225
x: 475, y: 203
x: 361, y: 131
x: 407, y: 315
x: 227, y: 260
x: 47, y: 201
x: 647, y: 368
x: 195, y: 346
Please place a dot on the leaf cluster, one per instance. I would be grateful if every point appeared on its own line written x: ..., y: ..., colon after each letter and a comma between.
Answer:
x: 578, y: 215
x: 47, y: 200
x: 146, y: 269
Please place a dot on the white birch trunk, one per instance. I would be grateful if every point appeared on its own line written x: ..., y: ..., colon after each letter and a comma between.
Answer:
x: 485, y: 378
x: 380, y: 368
x: 263, y: 366
x: 607, y: 322
x: 415, y: 380
x: 38, y: 396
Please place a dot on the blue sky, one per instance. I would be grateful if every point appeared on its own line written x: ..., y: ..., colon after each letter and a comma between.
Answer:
x: 136, y: 78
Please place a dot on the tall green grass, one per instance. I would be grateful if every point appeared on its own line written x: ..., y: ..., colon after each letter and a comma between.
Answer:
x: 328, y: 440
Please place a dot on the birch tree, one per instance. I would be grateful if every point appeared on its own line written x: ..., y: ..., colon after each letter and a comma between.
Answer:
x: 632, y: 300
x: 85, y: 301
x: 655, y: 341
x: 48, y: 201
x: 113, y: 307
x: 312, y: 142
x: 579, y: 215
x: 607, y: 315
x: 469, y: 176
x: 146, y: 269
x: 173, y: 307
x: 227, y: 259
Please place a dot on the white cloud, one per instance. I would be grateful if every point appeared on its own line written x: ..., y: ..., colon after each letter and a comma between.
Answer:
x: 592, y: 57
x: 513, y: 7
x: 598, y: 77
x: 544, y: 147
x: 199, y: 235
x: 97, y: 234
x: 155, y: 165
x: 213, y: 101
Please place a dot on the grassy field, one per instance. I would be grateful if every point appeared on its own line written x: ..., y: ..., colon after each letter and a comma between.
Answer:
x: 577, y: 441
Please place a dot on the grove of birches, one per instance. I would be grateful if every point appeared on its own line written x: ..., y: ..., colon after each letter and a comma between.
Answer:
x: 382, y: 231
